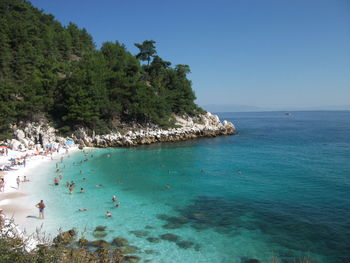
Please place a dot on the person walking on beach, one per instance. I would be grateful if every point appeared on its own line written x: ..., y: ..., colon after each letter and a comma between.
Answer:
x: 18, y: 180
x: 41, y: 207
x: 2, y: 185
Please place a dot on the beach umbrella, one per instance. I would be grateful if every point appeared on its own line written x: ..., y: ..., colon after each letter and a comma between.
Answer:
x: 69, y: 142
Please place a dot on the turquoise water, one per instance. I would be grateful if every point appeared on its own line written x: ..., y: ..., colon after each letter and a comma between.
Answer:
x: 280, y: 188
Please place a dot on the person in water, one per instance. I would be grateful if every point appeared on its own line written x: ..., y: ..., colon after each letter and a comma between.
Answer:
x: 117, y: 205
x: 55, y: 180
x: 70, y: 189
x: 99, y: 185
x: 25, y: 179
x: 82, y: 209
x: 108, y: 214
x: 82, y: 190
x: 41, y: 207
x: 114, y: 198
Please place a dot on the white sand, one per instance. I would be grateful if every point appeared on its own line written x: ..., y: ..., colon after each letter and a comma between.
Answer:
x: 13, y: 201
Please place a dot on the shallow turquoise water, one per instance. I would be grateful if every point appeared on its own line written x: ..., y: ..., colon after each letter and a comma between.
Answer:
x: 278, y: 188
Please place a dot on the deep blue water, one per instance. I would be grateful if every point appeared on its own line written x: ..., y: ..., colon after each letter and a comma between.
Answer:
x: 279, y: 188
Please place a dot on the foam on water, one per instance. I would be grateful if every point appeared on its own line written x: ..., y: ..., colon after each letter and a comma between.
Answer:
x: 278, y: 188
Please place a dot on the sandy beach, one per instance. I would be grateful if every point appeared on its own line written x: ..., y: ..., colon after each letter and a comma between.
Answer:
x: 16, y: 202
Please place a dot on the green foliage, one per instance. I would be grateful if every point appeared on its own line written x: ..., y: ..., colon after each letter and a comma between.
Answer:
x: 147, y: 50
x: 54, y: 71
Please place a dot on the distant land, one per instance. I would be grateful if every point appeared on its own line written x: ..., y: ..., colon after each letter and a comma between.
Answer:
x: 247, y: 108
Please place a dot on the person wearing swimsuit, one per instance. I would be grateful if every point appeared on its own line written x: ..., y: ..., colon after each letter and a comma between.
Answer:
x: 41, y: 207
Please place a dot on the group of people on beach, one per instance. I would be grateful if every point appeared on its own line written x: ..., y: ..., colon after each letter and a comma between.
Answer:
x: 16, y: 161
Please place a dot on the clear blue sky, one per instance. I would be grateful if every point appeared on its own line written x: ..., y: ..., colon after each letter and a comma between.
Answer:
x: 271, y: 53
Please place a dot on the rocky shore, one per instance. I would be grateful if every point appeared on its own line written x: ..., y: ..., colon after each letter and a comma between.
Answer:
x: 41, y: 134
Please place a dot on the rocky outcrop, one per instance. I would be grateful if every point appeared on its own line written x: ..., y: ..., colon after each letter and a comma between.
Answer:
x: 41, y: 134
x: 205, y: 125
x: 65, y: 237
x: 34, y: 135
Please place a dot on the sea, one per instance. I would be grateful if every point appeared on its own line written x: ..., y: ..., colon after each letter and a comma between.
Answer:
x: 277, y: 191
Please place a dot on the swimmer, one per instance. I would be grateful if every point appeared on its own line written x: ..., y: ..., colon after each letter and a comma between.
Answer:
x: 99, y: 185
x: 82, y: 190
x: 114, y: 198
x: 117, y: 205
x: 81, y: 172
x: 55, y: 180
x: 60, y: 176
x: 108, y: 214
x: 82, y: 209
x: 67, y: 184
x: 71, y: 189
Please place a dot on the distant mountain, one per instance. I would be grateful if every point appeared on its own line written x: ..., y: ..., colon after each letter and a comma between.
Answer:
x: 246, y: 108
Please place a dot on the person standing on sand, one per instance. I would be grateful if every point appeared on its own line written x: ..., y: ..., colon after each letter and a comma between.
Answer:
x: 18, y: 180
x: 41, y: 207
x: 2, y: 185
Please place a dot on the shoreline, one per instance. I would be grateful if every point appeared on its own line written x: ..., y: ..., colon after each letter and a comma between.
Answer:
x: 14, y: 201
x: 18, y: 204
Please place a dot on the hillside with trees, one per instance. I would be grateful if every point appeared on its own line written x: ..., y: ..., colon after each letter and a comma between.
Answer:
x: 54, y: 72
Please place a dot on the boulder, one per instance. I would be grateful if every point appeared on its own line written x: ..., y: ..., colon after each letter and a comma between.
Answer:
x: 172, y: 225
x: 99, y: 234
x: 130, y: 259
x: 184, y: 244
x: 139, y: 233
x: 15, y: 145
x: 120, y: 242
x: 65, y: 237
x: 127, y: 250
x: 82, y: 242
x: 153, y: 239
x: 19, y: 134
x: 99, y: 243
x: 170, y: 237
